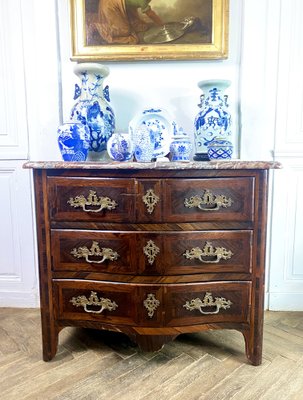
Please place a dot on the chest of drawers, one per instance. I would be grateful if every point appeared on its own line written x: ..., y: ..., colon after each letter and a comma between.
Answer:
x: 152, y: 250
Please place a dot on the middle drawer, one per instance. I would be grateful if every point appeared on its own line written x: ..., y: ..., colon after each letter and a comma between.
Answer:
x: 152, y: 253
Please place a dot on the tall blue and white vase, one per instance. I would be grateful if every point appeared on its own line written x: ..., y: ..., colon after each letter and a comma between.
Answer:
x: 93, y: 107
x: 214, y: 119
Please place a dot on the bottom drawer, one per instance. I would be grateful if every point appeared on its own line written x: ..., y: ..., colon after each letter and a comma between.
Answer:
x: 191, y: 304
x: 109, y: 302
x: 147, y: 305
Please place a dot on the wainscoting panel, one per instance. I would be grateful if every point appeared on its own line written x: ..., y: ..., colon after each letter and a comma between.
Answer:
x: 13, y: 123
x: 286, y: 274
x: 18, y: 278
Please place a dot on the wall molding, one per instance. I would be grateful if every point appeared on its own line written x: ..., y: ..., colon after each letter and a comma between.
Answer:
x: 18, y: 275
x: 13, y: 123
x: 281, y: 301
x: 20, y: 299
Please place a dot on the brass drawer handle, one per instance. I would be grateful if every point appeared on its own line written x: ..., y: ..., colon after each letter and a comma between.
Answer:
x: 208, y: 301
x: 151, y: 304
x: 150, y: 199
x: 93, y: 300
x: 96, y: 251
x: 208, y: 201
x: 92, y: 200
x: 151, y: 251
x: 208, y: 251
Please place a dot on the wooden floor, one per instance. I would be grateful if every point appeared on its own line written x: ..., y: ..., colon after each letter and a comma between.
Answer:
x: 94, y: 365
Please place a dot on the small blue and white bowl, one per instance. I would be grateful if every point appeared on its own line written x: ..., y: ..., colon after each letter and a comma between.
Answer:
x: 73, y: 140
x: 220, y: 149
x: 120, y: 147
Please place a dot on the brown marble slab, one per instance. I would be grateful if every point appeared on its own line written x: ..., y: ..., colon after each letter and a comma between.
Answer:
x: 195, y: 165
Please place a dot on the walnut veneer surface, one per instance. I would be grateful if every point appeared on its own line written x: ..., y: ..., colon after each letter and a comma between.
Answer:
x: 152, y: 250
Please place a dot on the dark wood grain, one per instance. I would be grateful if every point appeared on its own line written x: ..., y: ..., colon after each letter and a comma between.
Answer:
x: 171, y: 278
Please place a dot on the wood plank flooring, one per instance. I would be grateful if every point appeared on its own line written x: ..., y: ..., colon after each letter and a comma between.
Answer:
x: 92, y: 365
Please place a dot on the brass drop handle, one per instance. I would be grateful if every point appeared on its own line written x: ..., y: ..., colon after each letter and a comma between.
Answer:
x: 92, y: 200
x: 93, y: 300
x: 96, y: 251
x: 215, y: 254
x: 208, y: 301
x: 208, y: 201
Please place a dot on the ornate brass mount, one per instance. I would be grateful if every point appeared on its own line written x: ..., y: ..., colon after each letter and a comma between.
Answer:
x: 151, y: 251
x: 208, y: 251
x: 85, y: 252
x: 150, y: 199
x: 208, y: 301
x: 93, y: 300
x: 92, y: 200
x: 151, y: 304
x: 208, y: 201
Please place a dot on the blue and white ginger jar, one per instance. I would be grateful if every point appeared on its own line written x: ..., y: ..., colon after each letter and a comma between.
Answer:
x: 180, y: 147
x: 214, y: 119
x: 93, y: 106
x: 120, y: 147
x: 73, y: 140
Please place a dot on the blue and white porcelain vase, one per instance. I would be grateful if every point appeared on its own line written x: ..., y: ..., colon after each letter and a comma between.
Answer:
x: 120, y: 147
x: 155, y: 123
x: 73, y: 140
x: 93, y: 107
x: 220, y: 149
x: 214, y: 119
x: 180, y: 147
x: 144, y: 144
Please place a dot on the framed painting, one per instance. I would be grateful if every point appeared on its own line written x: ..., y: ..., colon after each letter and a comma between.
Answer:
x: 130, y: 30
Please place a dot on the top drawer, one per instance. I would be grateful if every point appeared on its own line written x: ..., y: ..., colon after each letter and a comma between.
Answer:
x: 151, y: 200
x: 214, y: 199
x: 91, y: 199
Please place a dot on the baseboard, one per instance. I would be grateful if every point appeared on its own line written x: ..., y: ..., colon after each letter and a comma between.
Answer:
x: 285, y: 301
x: 19, y: 300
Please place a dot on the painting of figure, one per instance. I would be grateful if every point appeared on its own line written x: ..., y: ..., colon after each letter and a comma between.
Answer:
x: 130, y: 30
x: 131, y: 22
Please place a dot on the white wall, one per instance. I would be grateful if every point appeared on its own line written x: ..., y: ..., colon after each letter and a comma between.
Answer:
x: 37, y: 59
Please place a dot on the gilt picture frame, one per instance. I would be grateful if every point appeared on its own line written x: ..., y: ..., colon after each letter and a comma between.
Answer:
x: 195, y: 31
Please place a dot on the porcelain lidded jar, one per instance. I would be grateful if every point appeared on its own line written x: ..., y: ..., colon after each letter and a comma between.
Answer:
x: 120, y: 147
x: 73, y: 141
x: 180, y: 147
x: 220, y: 149
x: 213, y: 119
x: 93, y: 107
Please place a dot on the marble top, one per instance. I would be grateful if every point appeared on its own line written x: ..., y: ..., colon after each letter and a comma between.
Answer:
x: 160, y: 165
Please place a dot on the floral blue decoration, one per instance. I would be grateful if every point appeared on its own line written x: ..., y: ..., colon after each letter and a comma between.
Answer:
x: 73, y: 141
x: 214, y: 119
x: 180, y: 148
x: 120, y: 147
x: 93, y: 108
